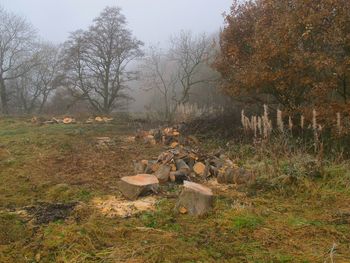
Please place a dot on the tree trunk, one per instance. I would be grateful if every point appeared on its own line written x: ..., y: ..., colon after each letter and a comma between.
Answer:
x: 42, y: 104
x: 3, y: 96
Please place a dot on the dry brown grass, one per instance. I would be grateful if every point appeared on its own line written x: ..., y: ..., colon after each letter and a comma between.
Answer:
x: 264, y: 223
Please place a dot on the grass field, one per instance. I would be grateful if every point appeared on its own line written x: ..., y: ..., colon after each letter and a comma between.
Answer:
x: 297, y: 211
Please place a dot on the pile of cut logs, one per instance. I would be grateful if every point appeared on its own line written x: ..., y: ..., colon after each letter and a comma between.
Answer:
x: 69, y: 120
x: 184, y: 165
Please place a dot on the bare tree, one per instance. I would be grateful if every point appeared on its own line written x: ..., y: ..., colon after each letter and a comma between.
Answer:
x: 34, y: 87
x: 175, y: 74
x: 157, y: 75
x: 190, y: 54
x: 16, y: 42
x: 98, y: 61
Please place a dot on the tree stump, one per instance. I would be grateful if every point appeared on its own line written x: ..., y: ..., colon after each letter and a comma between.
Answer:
x: 134, y: 186
x: 195, y: 198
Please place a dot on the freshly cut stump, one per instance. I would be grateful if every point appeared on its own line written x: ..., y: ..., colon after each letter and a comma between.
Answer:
x: 134, y: 186
x: 197, y: 199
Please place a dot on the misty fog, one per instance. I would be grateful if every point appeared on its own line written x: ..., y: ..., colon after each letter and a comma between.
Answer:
x: 153, y: 22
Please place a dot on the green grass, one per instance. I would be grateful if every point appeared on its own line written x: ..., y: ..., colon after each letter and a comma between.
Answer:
x: 301, y: 222
x: 246, y: 222
x: 278, y: 219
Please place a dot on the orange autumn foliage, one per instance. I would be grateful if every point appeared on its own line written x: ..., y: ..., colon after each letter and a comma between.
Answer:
x: 297, y: 52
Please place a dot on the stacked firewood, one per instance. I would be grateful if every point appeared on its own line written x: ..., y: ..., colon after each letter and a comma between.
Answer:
x: 186, y: 164
x: 167, y: 136
x: 184, y: 161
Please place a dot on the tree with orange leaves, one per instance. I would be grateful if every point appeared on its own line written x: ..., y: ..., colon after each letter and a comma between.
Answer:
x: 297, y: 52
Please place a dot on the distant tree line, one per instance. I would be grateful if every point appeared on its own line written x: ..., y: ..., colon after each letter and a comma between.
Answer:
x: 292, y: 54
x: 91, y: 67
x: 94, y: 69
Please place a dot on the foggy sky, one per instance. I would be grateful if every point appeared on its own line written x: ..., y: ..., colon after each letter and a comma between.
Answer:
x: 152, y: 21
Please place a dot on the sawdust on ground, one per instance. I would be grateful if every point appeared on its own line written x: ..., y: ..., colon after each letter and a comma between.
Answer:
x: 112, y: 206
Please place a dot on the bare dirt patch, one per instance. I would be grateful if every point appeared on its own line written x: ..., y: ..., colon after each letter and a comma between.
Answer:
x: 45, y: 213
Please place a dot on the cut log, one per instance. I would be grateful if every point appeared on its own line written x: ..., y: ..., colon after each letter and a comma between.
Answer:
x: 225, y: 175
x: 181, y: 166
x: 174, y: 145
x: 244, y: 177
x: 38, y: 120
x: 134, y: 186
x: 195, y: 198
x: 149, y: 139
x: 99, y: 119
x: 163, y: 173
x: 158, y: 136
x: 34, y: 120
x: 199, y: 168
x: 90, y: 120
x: 208, y: 170
x: 49, y: 122
x: 189, y: 161
x: 165, y: 157
x: 173, y: 167
x: 148, y: 169
x: 68, y: 120
x: 145, y: 162
x: 233, y: 175
x: 106, y: 119
x: 155, y: 167
x: 172, y: 177
x: 217, y: 162
x: 213, y: 171
x: 168, y: 140
x: 56, y: 120
x: 178, y: 177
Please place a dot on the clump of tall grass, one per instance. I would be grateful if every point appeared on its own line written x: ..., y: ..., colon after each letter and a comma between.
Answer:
x: 264, y: 127
x: 187, y: 112
x: 260, y: 126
